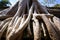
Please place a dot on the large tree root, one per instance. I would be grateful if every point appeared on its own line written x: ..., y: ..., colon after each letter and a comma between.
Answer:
x: 28, y: 20
x: 36, y: 29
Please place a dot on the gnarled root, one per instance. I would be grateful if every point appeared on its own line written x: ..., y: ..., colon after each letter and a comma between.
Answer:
x: 36, y: 29
x: 52, y: 33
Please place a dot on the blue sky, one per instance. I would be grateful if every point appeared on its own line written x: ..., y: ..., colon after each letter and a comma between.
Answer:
x: 52, y: 4
x: 13, y: 2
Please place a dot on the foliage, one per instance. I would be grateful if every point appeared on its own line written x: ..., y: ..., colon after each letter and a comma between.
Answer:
x: 3, y: 3
x: 57, y: 5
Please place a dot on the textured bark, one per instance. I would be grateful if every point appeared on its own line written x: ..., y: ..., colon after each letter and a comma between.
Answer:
x: 55, y: 28
x: 22, y: 21
x: 57, y: 22
x: 29, y: 33
x: 21, y: 27
x: 36, y: 30
x: 4, y: 28
x: 3, y: 22
x: 10, y: 31
x: 50, y: 29
x: 28, y: 20
x: 44, y: 30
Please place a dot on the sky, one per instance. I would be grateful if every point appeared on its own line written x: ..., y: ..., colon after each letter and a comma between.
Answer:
x: 13, y: 2
x: 52, y: 4
x: 56, y: 2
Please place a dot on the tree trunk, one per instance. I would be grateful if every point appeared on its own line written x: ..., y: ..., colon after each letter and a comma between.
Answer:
x: 28, y: 20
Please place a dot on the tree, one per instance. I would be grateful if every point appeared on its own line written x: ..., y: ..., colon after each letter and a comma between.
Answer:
x: 3, y: 4
x: 57, y: 5
x: 28, y: 20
